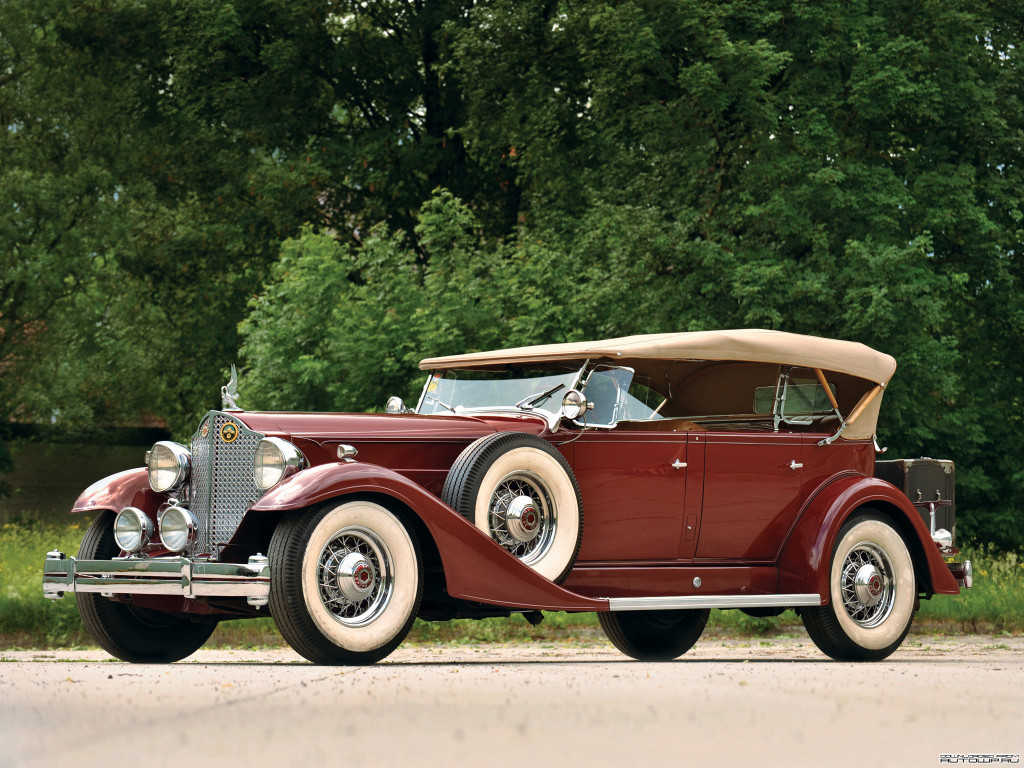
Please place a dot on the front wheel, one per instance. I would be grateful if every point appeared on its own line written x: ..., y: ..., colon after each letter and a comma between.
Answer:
x: 654, y: 635
x: 347, y: 582
x: 871, y: 589
x: 130, y: 633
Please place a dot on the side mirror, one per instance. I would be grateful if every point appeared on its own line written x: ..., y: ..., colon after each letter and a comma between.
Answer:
x: 574, y: 405
x: 395, y: 405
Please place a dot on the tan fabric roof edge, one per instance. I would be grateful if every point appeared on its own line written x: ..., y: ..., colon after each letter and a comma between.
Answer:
x: 755, y: 345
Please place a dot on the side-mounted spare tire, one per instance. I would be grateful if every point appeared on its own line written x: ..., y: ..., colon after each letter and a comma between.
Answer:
x: 519, y: 490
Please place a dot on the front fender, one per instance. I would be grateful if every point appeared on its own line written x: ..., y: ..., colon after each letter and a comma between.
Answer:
x: 806, y: 555
x: 125, y: 489
x: 475, y: 567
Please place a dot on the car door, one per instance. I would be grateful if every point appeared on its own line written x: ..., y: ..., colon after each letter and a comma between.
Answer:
x: 752, y: 494
x: 633, y: 485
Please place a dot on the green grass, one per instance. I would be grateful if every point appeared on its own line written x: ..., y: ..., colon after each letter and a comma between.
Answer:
x: 996, y: 602
x: 28, y: 620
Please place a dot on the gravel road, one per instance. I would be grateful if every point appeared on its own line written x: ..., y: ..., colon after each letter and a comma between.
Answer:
x: 726, y: 703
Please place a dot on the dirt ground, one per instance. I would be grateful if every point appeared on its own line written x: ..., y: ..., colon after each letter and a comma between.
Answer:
x: 726, y: 703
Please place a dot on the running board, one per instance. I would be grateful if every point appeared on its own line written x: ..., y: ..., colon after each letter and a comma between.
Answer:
x: 711, y: 601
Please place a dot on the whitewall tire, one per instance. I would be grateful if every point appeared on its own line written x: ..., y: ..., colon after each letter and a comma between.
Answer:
x: 872, y: 592
x: 346, y: 582
x: 519, y: 490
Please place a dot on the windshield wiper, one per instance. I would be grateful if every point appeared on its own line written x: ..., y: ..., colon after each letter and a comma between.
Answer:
x: 443, y: 405
x: 527, y: 403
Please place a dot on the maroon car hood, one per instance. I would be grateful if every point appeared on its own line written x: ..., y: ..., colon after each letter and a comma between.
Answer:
x: 384, y: 426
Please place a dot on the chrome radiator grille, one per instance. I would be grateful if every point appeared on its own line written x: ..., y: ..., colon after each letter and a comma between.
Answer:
x: 222, y: 487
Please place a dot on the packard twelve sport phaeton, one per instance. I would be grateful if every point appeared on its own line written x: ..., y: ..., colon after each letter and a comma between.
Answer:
x: 647, y: 478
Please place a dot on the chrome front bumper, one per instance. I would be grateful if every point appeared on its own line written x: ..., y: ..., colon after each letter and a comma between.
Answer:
x: 180, y: 576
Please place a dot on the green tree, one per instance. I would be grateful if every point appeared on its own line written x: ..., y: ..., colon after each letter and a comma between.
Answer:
x: 842, y: 169
x: 846, y: 169
x: 143, y: 191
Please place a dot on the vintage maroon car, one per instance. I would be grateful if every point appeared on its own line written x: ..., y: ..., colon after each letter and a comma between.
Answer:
x: 647, y: 478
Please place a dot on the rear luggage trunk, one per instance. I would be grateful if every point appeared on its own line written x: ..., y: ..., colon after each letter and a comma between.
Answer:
x: 930, y: 484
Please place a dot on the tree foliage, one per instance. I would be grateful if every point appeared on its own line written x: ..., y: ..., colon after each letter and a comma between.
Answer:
x: 408, y: 179
x: 141, y: 197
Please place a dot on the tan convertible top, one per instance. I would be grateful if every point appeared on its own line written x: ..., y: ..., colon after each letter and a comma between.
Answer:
x: 753, y: 345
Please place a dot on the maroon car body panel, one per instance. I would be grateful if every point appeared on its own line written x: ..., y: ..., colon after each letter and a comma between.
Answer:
x: 420, y: 447
x: 804, y: 565
x: 125, y: 489
x: 475, y: 567
x: 633, y: 499
x: 748, y: 513
x: 661, y: 580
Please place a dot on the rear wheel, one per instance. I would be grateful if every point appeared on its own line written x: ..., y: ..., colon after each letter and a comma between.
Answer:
x: 126, y: 631
x: 347, y: 582
x: 654, y: 635
x: 871, y: 589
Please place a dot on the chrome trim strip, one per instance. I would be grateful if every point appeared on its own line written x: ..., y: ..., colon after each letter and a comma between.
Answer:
x: 711, y: 601
x: 156, y: 576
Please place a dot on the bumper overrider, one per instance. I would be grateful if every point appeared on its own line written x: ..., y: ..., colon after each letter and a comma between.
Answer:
x: 178, y: 576
x: 963, y: 573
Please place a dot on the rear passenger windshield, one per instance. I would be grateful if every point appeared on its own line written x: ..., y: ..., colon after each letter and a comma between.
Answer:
x: 803, y: 396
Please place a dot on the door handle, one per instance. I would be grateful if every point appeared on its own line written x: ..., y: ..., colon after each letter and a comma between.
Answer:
x: 794, y: 464
x: 677, y: 464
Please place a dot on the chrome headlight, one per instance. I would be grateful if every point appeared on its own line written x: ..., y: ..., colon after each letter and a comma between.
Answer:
x: 177, y: 528
x: 275, y: 459
x: 133, y: 530
x: 168, y: 465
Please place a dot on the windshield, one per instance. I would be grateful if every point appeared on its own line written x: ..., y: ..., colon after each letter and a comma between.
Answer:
x: 616, y: 396
x: 457, y: 391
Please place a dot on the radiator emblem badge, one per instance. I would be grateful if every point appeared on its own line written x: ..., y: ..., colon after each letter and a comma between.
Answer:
x: 228, y: 432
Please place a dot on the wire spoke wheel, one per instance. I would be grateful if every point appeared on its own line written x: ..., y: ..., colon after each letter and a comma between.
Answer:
x: 519, y: 490
x: 872, y: 591
x: 356, y: 576
x: 522, y: 516
x: 347, y: 581
x: 867, y: 584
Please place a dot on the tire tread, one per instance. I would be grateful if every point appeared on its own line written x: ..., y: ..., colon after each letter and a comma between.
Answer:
x: 113, y: 625
x: 634, y: 636
x: 287, y: 605
x: 823, y: 626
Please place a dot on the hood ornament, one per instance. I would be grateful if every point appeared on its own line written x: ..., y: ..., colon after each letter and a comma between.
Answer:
x: 229, y: 392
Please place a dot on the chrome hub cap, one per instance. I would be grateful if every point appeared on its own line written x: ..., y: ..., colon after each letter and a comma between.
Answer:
x: 867, y: 585
x: 355, y: 575
x: 523, y: 520
x: 522, y: 517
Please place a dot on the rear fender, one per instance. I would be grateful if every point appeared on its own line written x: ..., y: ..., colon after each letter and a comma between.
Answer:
x: 475, y: 567
x: 125, y: 489
x: 806, y: 556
